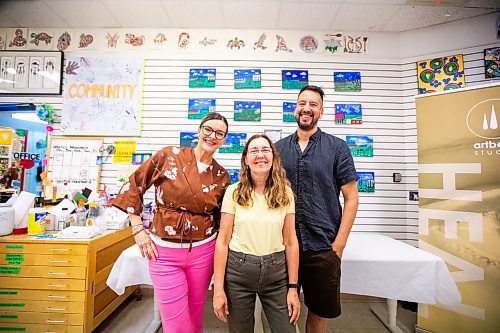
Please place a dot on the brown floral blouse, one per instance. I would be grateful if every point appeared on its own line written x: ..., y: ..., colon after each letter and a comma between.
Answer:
x: 187, y: 202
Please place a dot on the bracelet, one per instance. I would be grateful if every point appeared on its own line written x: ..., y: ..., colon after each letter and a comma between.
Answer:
x: 292, y: 285
x: 138, y: 231
x: 136, y: 226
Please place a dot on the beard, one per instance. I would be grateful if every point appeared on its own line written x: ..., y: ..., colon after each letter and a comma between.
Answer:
x: 306, y: 127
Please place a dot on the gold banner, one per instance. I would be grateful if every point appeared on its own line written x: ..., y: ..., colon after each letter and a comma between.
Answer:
x: 459, y: 215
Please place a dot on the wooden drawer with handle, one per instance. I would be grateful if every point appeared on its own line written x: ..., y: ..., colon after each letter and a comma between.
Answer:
x: 42, y: 318
x: 37, y: 328
x: 26, y: 305
x: 23, y: 271
x: 43, y: 283
x: 36, y: 248
x: 31, y: 259
x: 47, y: 295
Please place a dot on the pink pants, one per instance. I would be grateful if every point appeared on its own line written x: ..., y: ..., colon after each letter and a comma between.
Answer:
x: 181, y: 280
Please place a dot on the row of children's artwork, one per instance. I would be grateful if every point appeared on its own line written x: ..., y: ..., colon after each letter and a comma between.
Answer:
x: 345, y: 114
x: 290, y: 79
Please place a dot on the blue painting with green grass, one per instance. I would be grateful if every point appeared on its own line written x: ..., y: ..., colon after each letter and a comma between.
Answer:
x: 347, y: 81
x: 294, y: 79
x: 247, y: 111
x: 188, y: 139
x: 199, y: 107
x: 235, y: 142
x: 366, y: 181
x: 234, y: 175
x: 360, y: 145
x: 202, y: 77
x: 348, y: 114
x: 289, y: 112
x: 247, y: 79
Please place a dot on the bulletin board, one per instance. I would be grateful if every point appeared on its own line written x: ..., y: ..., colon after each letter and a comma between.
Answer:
x: 73, y: 163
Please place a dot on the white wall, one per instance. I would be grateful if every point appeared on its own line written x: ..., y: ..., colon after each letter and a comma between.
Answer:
x: 389, y: 83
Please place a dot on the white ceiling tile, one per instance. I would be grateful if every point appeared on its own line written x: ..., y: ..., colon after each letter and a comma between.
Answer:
x: 83, y: 13
x: 194, y: 14
x: 410, y: 18
x: 138, y: 14
x: 31, y: 14
x: 251, y: 14
x: 307, y: 16
x: 362, y: 17
x: 376, y: 2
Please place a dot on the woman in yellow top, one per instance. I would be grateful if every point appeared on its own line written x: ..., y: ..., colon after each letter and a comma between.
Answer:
x: 257, y: 251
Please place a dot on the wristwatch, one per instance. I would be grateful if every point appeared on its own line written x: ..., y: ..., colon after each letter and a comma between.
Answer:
x: 292, y: 285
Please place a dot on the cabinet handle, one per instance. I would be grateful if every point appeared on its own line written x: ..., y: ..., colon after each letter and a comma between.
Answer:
x: 56, y: 309
x: 62, y: 250
x: 59, y: 261
x: 58, y: 273
x: 53, y: 296
x: 57, y: 285
x: 49, y: 321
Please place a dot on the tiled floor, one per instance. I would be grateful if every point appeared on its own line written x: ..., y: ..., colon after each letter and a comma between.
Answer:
x: 134, y: 316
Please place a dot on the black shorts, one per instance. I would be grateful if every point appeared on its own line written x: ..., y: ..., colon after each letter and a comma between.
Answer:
x: 319, y: 275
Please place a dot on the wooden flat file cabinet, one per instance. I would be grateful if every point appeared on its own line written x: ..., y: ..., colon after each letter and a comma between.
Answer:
x: 49, y: 285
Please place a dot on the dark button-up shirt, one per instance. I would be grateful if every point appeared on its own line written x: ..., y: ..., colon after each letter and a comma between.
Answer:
x: 316, y: 175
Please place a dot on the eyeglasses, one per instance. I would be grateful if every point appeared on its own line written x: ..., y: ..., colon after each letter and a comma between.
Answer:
x: 264, y: 151
x: 207, y: 130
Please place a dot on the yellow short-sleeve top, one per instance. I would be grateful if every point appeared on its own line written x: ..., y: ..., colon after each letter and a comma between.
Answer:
x: 258, y: 229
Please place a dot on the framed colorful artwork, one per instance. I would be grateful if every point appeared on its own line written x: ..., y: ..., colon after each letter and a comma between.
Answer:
x: 234, y: 175
x: 199, y: 107
x: 294, y: 79
x: 347, y: 81
x: 360, y: 146
x: 202, y: 77
x: 348, y: 114
x: 31, y: 72
x: 440, y: 74
x: 366, y: 181
x: 247, y: 111
x: 289, y: 112
x: 235, y: 142
x: 247, y: 79
x: 188, y: 139
x: 492, y: 62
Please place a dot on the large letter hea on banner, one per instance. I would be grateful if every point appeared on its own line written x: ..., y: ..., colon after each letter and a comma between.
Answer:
x: 459, y: 215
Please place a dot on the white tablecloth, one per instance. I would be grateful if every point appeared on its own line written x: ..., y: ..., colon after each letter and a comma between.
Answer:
x: 372, y: 265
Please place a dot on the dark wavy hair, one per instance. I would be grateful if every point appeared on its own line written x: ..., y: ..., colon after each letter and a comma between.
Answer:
x: 214, y: 116
x: 275, y: 191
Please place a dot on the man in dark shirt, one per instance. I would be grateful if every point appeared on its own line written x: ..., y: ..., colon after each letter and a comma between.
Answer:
x: 319, y: 167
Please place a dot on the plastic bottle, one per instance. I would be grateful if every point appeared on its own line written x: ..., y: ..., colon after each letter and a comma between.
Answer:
x: 61, y: 219
x: 93, y: 214
x: 81, y: 213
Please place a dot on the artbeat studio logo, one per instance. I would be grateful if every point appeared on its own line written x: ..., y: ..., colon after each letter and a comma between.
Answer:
x: 482, y: 121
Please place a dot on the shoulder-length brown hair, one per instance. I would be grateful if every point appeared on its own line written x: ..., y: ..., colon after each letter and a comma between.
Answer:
x: 275, y: 191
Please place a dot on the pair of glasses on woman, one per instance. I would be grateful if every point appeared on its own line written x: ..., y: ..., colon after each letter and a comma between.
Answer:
x: 264, y: 151
x: 207, y: 130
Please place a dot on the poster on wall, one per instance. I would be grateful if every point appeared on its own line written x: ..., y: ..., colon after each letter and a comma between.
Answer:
x: 247, y: 79
x: 188, y: 139
x: 348, y: 114
x: 366, y: 181
x: 440, y: 74
x: 347, y: 81
x: 202, y: 77
x: 200, y: 107
x: 247, y: 111
x: 102, y: 96
x: 294, y: 79
x: 289, y: 112
x: 459, y: 196
x: 234, y: 175
x: 360, y: 146
x: 235, y: 142
x: 492, y: 62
